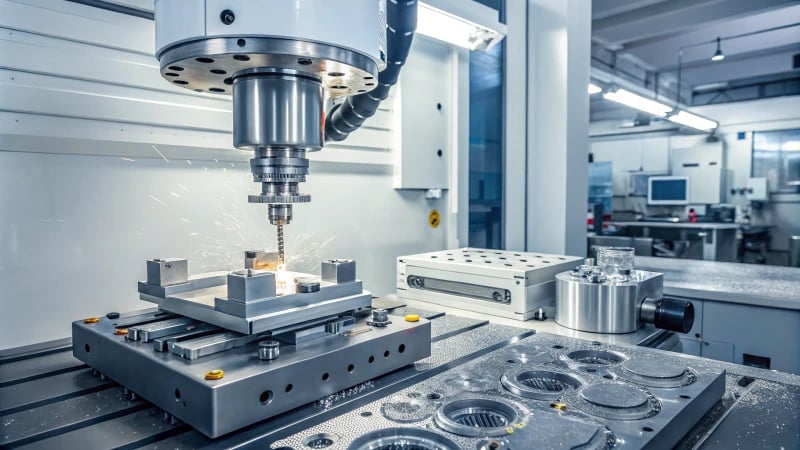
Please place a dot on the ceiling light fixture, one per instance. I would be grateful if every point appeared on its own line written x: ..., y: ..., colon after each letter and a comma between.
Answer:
x: 718, y: 55
x: 446, y: 27
x: 594, y: 89
x: 693, y: 120
x: 636, y: 101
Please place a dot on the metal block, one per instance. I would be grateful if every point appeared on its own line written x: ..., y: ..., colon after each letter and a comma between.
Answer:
x: 254, y: 389
x: 249, y: 285
x: 261, y: 260
x: 167, y: 271
x: 339, y: 271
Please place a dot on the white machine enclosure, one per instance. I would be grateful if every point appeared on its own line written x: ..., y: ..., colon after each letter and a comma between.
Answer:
x: 306, y: 20
x: 495, y: 282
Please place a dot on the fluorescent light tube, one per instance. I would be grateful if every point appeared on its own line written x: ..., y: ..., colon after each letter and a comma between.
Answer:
x: 693, y: 120
x: 594, y: 89
x: 446, y: 27
x: 636, y: 101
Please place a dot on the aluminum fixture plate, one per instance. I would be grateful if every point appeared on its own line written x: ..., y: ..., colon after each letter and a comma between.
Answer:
x: 205, y: 298
x: 540, y: 425
x: 251, y: 390
x: 498, y: 282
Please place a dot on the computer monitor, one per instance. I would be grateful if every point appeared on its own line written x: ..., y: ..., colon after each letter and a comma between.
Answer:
x: 668, y: 191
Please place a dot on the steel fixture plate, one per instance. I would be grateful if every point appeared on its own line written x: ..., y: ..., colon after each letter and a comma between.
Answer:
x: 250, y: 390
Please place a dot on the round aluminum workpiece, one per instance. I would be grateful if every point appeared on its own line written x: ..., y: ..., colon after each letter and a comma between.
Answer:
x: 596, y: 357
x: 479, y: 416
x: 614, y: 400
x: 403, y: 439
x: 655, y: 373
x: 539, y: 384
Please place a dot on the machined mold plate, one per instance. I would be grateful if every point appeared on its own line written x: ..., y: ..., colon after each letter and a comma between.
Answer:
x: 403, y: 439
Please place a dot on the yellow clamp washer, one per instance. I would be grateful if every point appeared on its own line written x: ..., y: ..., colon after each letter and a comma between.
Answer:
x: 121, y: 331
x: 412, y: 317
x: 559, y: 406
x: 91, y: 320
x: 215, y: 374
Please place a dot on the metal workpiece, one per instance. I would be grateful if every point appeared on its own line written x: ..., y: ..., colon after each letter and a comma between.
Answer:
x: 338, y: 271
x: 249, y: 285
x: 167, y: 271
x: 256, y: 389
x: 604, y: 307
x: 380, y: 318
x: 527, y: 395
x: 496, y: 282
x: 261, y: 260
x: 269, y: 350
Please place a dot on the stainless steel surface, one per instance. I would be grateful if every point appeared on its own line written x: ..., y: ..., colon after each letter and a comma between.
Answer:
x: 470, y: 406
x: 497, y: 282
x: 604, y: 307
x: 338, y: 271
x: 344, y: 72
x: 763, y: 414
x: 256, y: 390
x: 750, y: 284
x: 249, y: 285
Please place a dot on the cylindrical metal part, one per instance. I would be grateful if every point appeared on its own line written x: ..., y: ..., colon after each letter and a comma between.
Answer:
x: 269, y: 350
x: 794, y: 251
x: 674, y: 315
x: 380, y: 316
x: 306, y: 285
x: 278, y: 110
x: 279, y: 214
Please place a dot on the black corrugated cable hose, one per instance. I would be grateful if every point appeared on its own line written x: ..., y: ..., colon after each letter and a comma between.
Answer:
x: 348, y: 116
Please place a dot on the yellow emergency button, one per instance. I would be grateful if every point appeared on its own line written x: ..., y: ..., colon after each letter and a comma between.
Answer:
x: 91, y: 320
x: 412, y: 317
x: 215, y: 374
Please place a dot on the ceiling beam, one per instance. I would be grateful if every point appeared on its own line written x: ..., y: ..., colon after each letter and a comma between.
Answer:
x: 667, y: 19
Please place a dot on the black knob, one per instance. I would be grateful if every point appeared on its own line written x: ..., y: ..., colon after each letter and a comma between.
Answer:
x: 674, y: 315
x: 227, y: 17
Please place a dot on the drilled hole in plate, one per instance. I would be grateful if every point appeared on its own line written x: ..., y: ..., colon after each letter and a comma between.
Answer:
x: 177, y: 394
x: 265, y: 398
x: 171, y: 74
x: 590, y: 370
x: 241, y: 57
x: 369, y: 78
x: 339, y: 87
x: 87, y: 348
x: 371, y: 359
x: 204, y: 60
x: 322, y: 440
x: 647, y: 429
x: 214, y: 89
x: 468, y: 260
x: 386, y: 354
x: 402, y: 348
x: 351, y: 368
x: 685, y: 397
x: 176, y: 68
x: 325, y: 376
x: 228, y: 81
x: 361, y: 91
x: 180, y: 82
x: 369, y: 84
x: 289, y: 388
x: 335, y: 74
x: 366, y: 414
x: 433, y: 396
x: 218, y: 71
x: 608, y: 376
x: 304, y: 61
x: 241, y: 42
x: 558, y: 347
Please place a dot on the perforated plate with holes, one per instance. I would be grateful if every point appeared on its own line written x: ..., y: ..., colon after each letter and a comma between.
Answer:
x: 539, y: 384
x: 479, y: 416
x: 209, y: 65
x: 654, y: 373
x: 595, y: 357
x: 403, y: 439
x: 613, y: 400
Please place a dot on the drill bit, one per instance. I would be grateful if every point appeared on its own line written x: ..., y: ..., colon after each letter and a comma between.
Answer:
x: 281, y: 254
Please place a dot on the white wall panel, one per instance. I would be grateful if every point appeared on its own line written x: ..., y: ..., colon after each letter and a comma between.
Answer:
x: 104, y: 164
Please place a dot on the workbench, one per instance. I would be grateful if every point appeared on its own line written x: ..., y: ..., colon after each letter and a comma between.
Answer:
x: 719, y: 239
